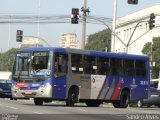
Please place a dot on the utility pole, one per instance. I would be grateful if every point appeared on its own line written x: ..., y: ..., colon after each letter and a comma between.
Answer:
x: 114, y: 26
x: 39, y: 12
x: 84, y: 10
x: 9, y: 33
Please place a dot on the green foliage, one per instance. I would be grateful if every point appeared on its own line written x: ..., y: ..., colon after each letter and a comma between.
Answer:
x: 99, y: 41
x: 6, y: 59
x: 155, y: 54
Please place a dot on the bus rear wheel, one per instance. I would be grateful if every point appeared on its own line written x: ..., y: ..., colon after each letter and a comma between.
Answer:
x: 72, y: 97
x: 124, y: 100
x: 38, y: 101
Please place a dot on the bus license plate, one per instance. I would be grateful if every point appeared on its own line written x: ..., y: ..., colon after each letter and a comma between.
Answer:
x: 28, y: 92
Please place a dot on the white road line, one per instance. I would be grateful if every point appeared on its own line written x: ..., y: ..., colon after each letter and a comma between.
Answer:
x: 37, y: 112
x: 14, y: 108
x: 81, y: 109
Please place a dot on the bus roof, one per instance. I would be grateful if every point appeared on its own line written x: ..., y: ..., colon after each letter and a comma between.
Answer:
x: 89, y: 52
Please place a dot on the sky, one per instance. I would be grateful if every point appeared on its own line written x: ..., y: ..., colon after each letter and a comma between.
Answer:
x: 52, y: 32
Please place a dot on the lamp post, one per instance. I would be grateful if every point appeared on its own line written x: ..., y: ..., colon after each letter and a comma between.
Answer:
x: 134, y: 2
x: 84, y: 23
x: 39, y: 10
x: 114, y: 26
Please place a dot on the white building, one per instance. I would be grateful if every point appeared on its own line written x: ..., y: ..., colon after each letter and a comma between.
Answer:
x: 32, y: 42
x: 126, y: 25
x: 68, y: 40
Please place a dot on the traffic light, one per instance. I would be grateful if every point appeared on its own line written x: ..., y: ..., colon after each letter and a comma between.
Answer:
x: 152, y: 21
x: 74, y: 17
x: 19, y: 36
x: 132, y: 1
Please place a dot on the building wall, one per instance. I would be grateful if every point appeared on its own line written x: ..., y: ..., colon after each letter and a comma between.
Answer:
x: 32, y: 42
x: 126, y: 25
x: 68, y: 40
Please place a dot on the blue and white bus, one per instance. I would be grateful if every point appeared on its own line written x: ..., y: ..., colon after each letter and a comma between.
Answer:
x: 74, y: 75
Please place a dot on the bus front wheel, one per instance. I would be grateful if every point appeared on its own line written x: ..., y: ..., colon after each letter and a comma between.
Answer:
x: 72, y: 97
x: 38, y: 101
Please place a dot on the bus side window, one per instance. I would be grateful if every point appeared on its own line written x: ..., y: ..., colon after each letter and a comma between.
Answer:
x: 76, y: 63
x: 103, y: 66
x: 89, y: 64
x: 60, y: 64
x: 140, y: 68
x: 128, y: 67
x: 116, y: 66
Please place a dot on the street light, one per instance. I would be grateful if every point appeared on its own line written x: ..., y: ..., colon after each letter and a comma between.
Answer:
x: 114, y: 22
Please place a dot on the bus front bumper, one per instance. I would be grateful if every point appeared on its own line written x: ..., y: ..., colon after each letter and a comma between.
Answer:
x: 44, y: 91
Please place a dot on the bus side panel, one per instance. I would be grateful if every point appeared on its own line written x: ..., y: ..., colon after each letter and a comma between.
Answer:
x: 139, y: 88
x: 59, y: 87
x: 83, y: 82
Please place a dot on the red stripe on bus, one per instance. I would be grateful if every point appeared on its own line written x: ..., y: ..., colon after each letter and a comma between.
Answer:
x: 116, y: 92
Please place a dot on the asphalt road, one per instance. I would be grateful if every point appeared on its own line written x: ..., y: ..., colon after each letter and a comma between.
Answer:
x: 26, y: 110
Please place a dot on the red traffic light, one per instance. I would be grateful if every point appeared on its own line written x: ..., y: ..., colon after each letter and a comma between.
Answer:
x: 74, y: 17
x: 75, y: 11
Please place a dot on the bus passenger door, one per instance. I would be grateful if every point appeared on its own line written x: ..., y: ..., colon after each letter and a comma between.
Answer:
x: 60, y: 75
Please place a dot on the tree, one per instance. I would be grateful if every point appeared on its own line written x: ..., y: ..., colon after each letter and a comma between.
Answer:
x: 6, y: 59
x: 154, y: 52
x: 99, y: 41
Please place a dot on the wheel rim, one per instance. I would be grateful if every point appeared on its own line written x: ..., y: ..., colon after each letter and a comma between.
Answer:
x: 73, y: 97
x: 139, y: 103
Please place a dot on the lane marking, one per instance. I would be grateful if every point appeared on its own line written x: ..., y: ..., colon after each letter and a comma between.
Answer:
x: 37, y: 112
x: 83, y: 110
x: 14, y: 108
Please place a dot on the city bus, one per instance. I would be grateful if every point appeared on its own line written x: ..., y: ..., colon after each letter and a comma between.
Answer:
x: 73, y: 75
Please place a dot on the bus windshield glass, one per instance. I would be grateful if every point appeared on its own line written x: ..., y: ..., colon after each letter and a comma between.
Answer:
x: 32, y: 64
x: 40, y: 64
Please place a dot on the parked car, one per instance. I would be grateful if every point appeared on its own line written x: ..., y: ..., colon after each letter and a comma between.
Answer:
x: 5, y: 88
x: 154, y: 96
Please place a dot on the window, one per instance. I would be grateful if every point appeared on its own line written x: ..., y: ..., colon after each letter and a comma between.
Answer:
x: 39, y: 61
x: 128, y: 67
x: 116, y: 66
x: 140, y: 68
x: 21, y: 65
x: 89, y: 64
x: 76, y: 63
x: 154, y: 84
x: 60, y: 64
x: 103, y: 66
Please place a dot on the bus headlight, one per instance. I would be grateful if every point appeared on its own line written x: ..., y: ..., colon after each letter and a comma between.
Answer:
x: 44, y: 86
x: 14, y: 87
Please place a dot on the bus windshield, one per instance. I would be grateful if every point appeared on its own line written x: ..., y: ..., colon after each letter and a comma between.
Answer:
x: 32, y: 64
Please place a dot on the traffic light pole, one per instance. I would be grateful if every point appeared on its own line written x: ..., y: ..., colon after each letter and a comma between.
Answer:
x: 84, y: 23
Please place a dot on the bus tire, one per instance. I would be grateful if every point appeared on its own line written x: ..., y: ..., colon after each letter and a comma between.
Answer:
x: 93, y: 103
x: 72, y: 97
x: 124, y: 100
x: 38, y: 101
x: 116, y: 103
